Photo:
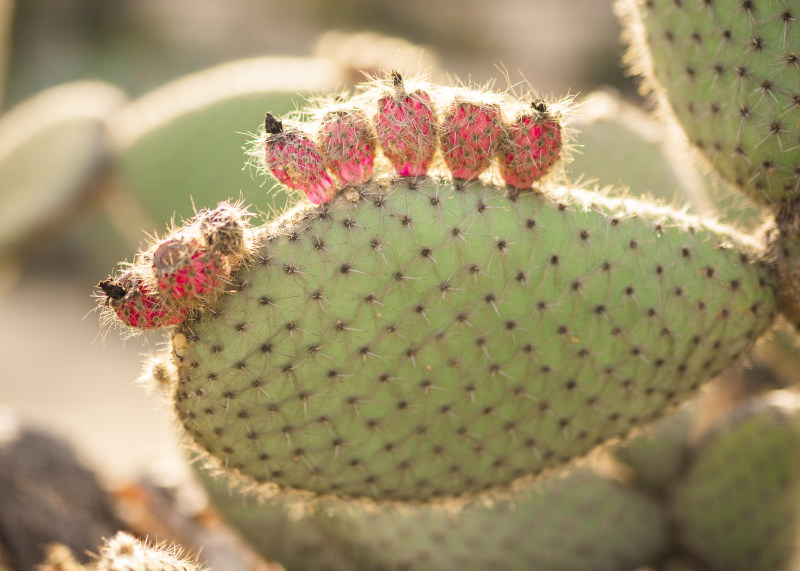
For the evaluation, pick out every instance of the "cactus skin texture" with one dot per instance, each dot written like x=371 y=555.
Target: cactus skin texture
x=581 y=520
x=730 y=72
x=406 y=127
x=736 y=506
x=436 y=341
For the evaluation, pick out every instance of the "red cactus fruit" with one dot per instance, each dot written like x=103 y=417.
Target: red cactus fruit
x=223 y=229
x=529 y=146
x=469 y=136
x=348 y=145
x=136 y=305
x=295 y=160
x=406 y=128
x=186 y=271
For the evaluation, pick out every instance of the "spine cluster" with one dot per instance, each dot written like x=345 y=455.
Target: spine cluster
x=183 y=271
x=408 y=125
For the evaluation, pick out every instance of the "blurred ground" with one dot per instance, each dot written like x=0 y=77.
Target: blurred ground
x=60 y=374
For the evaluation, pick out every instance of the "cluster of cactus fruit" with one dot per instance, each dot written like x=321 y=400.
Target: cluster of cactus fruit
x=440 y=318
x=406 y=126
x=183 y=271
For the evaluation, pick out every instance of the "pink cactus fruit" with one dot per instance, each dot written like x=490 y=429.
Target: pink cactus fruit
x=406 y=128
x=469 y=136
x=530 y=146
x=186 y=271
x=223 y=230
x=136 y=304
x=294 y=159
x=348 y=145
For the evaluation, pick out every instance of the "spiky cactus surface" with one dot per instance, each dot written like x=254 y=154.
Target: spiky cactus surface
x=430 y=341
x=730 y=72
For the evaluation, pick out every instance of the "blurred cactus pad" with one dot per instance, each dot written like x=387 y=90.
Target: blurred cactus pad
x=738 y=504
x=185 y=139
x=52 y=149
x=581 y=520
x=729 y=71
x=428 y=340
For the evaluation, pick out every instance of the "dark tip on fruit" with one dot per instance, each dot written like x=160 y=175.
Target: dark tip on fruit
x=397 y=79
x=112 y=290
x=539 y=105
x=272 y=125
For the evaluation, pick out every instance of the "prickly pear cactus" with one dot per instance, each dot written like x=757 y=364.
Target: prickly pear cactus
x=730 y=72
x=414 y=338
x=738 y=504
x=582 y=520
x=428 y=341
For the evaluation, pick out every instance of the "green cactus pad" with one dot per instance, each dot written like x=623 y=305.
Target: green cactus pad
x=731 y=74
x=579 y=521
x=737 y=506
x=434 y=341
